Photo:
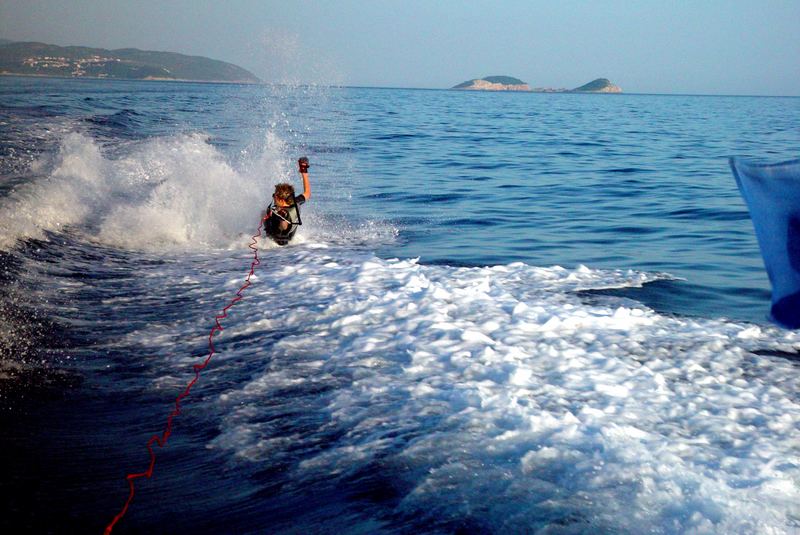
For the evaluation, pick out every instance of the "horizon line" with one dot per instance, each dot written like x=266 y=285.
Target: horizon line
x=408 y=88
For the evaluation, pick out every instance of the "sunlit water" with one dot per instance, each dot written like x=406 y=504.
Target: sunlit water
x=504 y=313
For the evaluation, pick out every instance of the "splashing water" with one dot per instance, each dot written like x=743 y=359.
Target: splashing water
x=163 y=192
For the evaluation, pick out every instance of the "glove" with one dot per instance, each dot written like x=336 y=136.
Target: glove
x=303 y=163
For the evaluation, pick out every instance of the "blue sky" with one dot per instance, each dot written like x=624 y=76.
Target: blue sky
x=699 y=47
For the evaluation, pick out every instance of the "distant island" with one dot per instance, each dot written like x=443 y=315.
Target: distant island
x=40 y=59
x=509 y=83
x=600 y=85
x=494 y=83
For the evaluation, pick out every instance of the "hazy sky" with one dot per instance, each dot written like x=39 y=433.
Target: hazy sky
x=691 y=46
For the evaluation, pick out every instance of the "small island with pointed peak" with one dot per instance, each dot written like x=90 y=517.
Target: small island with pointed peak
x=600 y=85
x=509 y=83
x=494 y=83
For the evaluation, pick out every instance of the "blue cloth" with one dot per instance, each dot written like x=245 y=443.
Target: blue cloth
x=772 y=193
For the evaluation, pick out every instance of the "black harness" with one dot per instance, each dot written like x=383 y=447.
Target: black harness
x=275 y=216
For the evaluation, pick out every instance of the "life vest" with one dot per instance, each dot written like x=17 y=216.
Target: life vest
x=288 y=215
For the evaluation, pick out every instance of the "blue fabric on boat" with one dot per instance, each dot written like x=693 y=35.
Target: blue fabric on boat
x=772 y=194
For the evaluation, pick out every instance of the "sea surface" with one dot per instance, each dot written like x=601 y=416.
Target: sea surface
x=504 y=313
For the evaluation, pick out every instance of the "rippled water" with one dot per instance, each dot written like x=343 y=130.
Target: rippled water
x=637 y=181
x=504 y=312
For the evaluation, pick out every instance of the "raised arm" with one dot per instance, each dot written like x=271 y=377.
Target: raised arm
x=303 y=164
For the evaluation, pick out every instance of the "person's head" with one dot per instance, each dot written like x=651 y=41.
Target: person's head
x=284 y=194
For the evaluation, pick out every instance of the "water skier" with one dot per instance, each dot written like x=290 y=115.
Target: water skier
x=283 y=215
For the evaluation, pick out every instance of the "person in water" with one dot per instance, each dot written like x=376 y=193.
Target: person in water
x=283 y=215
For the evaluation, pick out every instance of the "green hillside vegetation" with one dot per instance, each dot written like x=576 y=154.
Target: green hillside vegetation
x=127 y=63
x=595 y=85
x=505 y=80
x=468 y=83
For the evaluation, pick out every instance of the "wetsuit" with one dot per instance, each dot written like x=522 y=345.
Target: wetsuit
x=276 y=216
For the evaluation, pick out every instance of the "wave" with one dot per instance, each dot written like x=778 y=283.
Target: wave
x=453 y=384
x=443 y=385
x=123 y=123
x=176 y=191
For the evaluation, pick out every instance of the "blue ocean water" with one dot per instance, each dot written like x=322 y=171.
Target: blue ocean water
x=632 y=181
x=505 y=312
x=620 y=181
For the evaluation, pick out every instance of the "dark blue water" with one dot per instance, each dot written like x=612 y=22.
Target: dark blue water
x=617 y=181
x=504 y=312
x=631 y=181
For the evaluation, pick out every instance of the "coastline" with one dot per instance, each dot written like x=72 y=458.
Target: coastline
x=115 y=79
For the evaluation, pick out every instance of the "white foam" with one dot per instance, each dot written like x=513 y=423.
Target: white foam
x=64 y=198
x=194 y=195
x=501 y=391
x=178 y=191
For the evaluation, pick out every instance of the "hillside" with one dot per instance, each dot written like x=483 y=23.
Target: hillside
x=494 y=83
x=600 y=85
x=41 y=59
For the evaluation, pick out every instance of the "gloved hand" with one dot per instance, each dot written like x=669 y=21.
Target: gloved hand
x=303 y=163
